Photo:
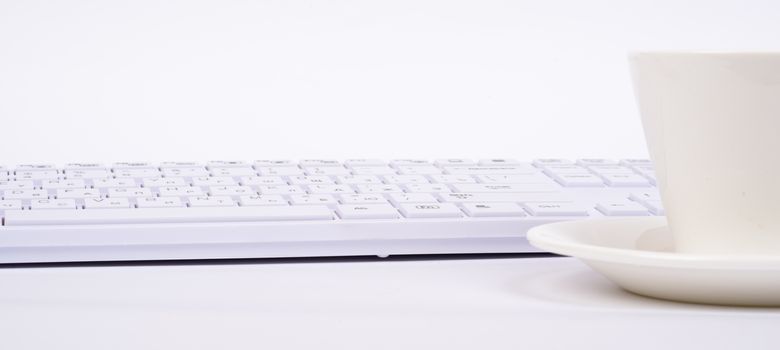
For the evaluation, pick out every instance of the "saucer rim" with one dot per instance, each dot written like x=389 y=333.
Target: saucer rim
x=556 y=238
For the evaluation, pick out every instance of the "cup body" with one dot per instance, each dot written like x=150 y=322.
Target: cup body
x=712 y=125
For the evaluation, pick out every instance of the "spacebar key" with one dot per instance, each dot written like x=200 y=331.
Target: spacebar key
x=166 y=215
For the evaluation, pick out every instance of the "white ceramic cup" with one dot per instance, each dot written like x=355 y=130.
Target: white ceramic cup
x=712 y=124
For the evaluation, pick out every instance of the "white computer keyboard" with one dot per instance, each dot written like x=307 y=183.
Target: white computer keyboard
x=280 y=208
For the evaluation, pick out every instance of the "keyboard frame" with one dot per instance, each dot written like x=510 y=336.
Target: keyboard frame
x=78 y=243
x=287 y=239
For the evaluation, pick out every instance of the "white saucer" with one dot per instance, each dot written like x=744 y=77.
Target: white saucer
x=638 y=255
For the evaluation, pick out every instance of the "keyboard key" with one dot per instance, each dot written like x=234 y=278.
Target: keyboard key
x=10 y=204
x=281 y=189
x=371 y=188
x=427 y=188
x=644 y=169
x=405 y=179
x=26 y=194
x=366 y=211
x=273 y=163
x=310 y=199
x=409 y=162
x=180 y=191
x=36 y=174
x=362 y=199
x=596 y=161
x=133 y=165
x=180 y=165
x=208 y=181
x=311 y=180
x=106 y=203
x=186 y=172
x=62 y=184
x=358 y=179
x=262 y=200
x=108 y=183
x=364 y=162
x=655 y=206
x=493 y=209
x=165 y=182
x=641 y=197
x=232 y=171
x=632 y=162
x=84 y=166
x=159 y=202
x=129 y=192
x=37 y=204
x=87 y=174
x=226 y=164
x=509 y=188
x=621 y=208
x=35 y=167
x=215 y=201
x=579 y=180
x=453 y=179
x=610 y=169
x=499 y=161
x=626 y=180
x=454 y=162
x=553 y=170
x=650 y=200
x=514 y=179
x=400 y=198
x=78 y=193
x=373 y=170
x=17 y=185
x=649 y=174
x=330 y=189
x=319 y=163
x=502 y=197
x=555 y=209
x=490 y=170
x=167 y=215
x=430 y=210
x=136 y=173
x=231 y=191
x=280 y=171
x=328 y=170
x=544 y=162
x=261 y=181
x=419 y=170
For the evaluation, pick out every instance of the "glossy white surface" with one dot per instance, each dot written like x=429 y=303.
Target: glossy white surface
x=639 y=255
x=548 y=303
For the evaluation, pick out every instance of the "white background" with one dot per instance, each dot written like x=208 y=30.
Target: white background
x=198 y=80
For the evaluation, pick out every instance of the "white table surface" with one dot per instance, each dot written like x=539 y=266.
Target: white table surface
x=532 y=303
